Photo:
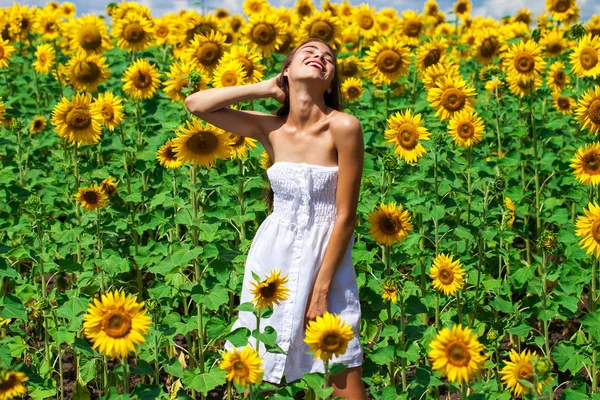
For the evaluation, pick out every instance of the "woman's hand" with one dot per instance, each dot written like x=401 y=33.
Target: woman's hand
x=316 y=305
x=274 y=90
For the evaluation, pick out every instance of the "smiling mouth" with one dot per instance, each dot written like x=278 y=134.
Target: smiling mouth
x=316 y=64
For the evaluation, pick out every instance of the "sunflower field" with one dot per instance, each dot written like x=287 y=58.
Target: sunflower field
x=125 y=221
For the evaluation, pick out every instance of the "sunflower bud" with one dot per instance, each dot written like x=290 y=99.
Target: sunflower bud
x=543 y=367
x=492 y=335
x=43 y=304
x=390 y=288
x=366 y=181
x=377 y=379
x=577 y=31
x=549 y=242
x=152 y=306
x=15 y=124
x=390 y=162
x=499 y=183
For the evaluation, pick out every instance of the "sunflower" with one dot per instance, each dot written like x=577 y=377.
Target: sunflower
x=180 y=78
x=447 y=274
x=109 y=186
x=110 y=108
x=167 y=155
x=264 y=32
x=588 y=110
x=243 y=368
x=87 y=71
x=91 y=198
x=76 y=121
x=434 y=75
x=201 y=145
x=557 y=79
x=229 y=73
x=47 y=23
x=133 y=32
x=11 y=384
x=239 y=146
x=115 y=323
x=521 y=88
x=456 y=353
x=363 y=19
x=462 y=8
x=20 y=21
x=207 y=50
x=386 y=61
x=67 y=10
x=524 y=60
x=90 y=34
x=390 y=288
x=488 y=45
x=287 y=17
x=564 y=104
x=431 y=53
x=588 y=228
x=450 y=97
x=494 y=86
x=6 y=51
x=389 y=224
x=553 y=43
x=352 y=89
x=163 y=31
x=406 y=133
x=265 y=160
x=511 y=213
x=351 y=39
x=585 y=58
x=328 y=335
x=255 y=7
x=586 y=164
x=141 y=80
x=321 y=25
x=38 y=124
x=523 y=15
x=431 y=8
x=349 y=67
x=466 y=128
x=4 y=321
x=520 y=367
x=385 y=24
x=251 y=61
x=270 y=291
x=222 y=14
x=45 y=56
x=560 y=10
x=121 y=10
x=411 y=24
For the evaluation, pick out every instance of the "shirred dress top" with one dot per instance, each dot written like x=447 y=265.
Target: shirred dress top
x=294 y=238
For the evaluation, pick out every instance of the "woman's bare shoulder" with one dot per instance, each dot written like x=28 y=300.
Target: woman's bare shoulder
x=345 y=122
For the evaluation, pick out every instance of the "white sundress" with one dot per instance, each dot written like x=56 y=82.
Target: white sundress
x=294 y=238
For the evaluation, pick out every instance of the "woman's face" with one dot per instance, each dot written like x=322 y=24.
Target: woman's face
x=313 y=60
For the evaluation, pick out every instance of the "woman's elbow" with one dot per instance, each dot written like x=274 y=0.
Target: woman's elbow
x=348 y=221
x=191 y=103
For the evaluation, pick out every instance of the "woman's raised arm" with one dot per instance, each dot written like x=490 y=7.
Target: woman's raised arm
x=211 y=106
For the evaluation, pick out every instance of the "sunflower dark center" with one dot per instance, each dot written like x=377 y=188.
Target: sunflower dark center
x=412 y=28
x=432 y=57
x=554 y=48
x=458 y=355
x=563 y=103
x=594 y=111
x=525 y=372
x=263 y=34
x=78 y=118
x=366 y=21
x=50 y=27
x=304 y=10
x=248 y=66
x=461 y=7
x=524 y=62
x=221 y=13
x=588 y=57
x=562 y=5
x=208 y=53
x=453 y=99
x=348 y=69
x=134 y=33
x=202 y=143
x=269 y=290
x=321 y=30
x=235 y=24
x=390 y=225
x=162 y=31
x=489 y=47
x=10 y=383
x=353 y=92
x=1 y=52
x=90 y=37
x=91 y=197
x=229 y=78
x=559 y=77
x=87 y=72
x=446 y=275
x=465 y=129
x=388 y=61
x=240 y=367
x=331 y=341
x=170 y=154
x=116 y=324
x=407 y=136
x=38 y=124
x=42 y=59
x=107 y=112
x=240 y=140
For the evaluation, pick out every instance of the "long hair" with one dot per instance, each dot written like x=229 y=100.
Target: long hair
x=333 y=99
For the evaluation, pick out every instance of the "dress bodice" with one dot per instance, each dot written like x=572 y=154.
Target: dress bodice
x=304 y=194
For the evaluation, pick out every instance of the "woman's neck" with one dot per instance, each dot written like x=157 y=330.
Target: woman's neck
x=306 y=108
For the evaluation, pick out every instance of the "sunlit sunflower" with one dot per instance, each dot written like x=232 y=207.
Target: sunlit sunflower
x=524 y=60
x=560 y=10
x=87 y=71
x=270 y=291
x=351 y=39
x=243 y=368
x=435 y=75
x=109 y=186
x=386 y=25
x=207 y=50
x=487 y=45
x=520 y=367
x=115 y=323
x=265 y=160
x=239 y=146
x=447 y=274
x=390 y=288
x=430 y=53
x=462 y=8
x=557 y=79
x=6 y=51
x=456 y=352
x=163 y=31
x=45 y=57
x=141 y=79
x=588 y=110
x=450 y=97
x=510 y=211
x=255 y=7
x=352 y=89
x=564 y=104
x=133 y=32
x=251 y=61
x=387 y=60
x=20 y=21
x=230 y=73
x=588 y=228
x=406 y=133
x=349 y=67
x=201 y=144
x=264 y=32
x=321 y=25
x=67 y=9
x=110 y=108
x=411 y=24
x=90 y=34
x=585 y=58
x=523 y=15
x=12 y=384
x=287 y=17
x=553 y=43
x=363 y=19
x=47 y=23
x=593 y=25
x=76 y=120
x=37 y=125
x=222 y=14
x=521 y=88
x=586 y=164
x=91 y=198
x=466 y=128
x=193 y=23
x=121 y=10
x=167 y=155
x=389 y=224
x=328 y=335
x=304 y=8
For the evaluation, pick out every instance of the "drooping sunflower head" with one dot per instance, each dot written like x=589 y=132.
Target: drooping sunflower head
x=586 y=57
x=265 y=160
x=451 y=96
x=37 y=125
x=230 y=73
x=110 y=107
x=520 y=87
x=390 y=288
x=520 y=367
x=207 y=50
x=109 y=186
x=588 y=227
x=328 y=335
x=586 y=164
x=389 y=224
x=167 y=155
x=90 y=34
x=239 y=146
x=510 y=211
x=115 y=323
x=406 y=133
x=243 y=368
x=265 y=33
x=12 y=384
x=87 y=71
x=76 y=120
x=588 y=110
x=447 y=274
x=91 y=198
x=141 y=79
x=466 y=128
x=349 y=67
x=387 y=60
x=134 y=32
x=201 y=144
x=456 y=352
x=270 y=291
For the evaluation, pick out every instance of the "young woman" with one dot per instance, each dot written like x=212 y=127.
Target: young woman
x=318 y=154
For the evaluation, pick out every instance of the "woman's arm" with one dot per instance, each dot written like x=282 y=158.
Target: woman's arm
x=211 y=106
x=348 y=138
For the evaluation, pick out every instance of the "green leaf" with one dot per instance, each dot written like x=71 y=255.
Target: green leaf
x=178 y=259
x=268 y=337
x=568 y=357
x=383 y=355
x=239 y=337
x=591 y=322
x=88 y=371
x=12 y=307
x=502 y=305
x=142 y=368
x=203 y=383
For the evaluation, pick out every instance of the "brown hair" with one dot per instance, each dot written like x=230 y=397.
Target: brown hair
x=333 y=99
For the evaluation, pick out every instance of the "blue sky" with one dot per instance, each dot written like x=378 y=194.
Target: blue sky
x=493 y=8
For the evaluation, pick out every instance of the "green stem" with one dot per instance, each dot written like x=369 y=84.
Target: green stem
x=326 y=380
x=437 y=310
x=200 y=338
x=99 y=244
x=105 y=374
x=538 y=221
x=593 y=305
x=545 y=303
x=241 y=199
x=498 y=135
x=469 y=189
x=402 y=343
x=258 y=315
x=125 y=365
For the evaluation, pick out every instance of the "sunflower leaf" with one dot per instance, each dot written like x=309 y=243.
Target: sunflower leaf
x=12 y=307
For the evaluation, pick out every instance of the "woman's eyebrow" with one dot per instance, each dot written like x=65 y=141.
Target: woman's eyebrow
x=315 y=47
